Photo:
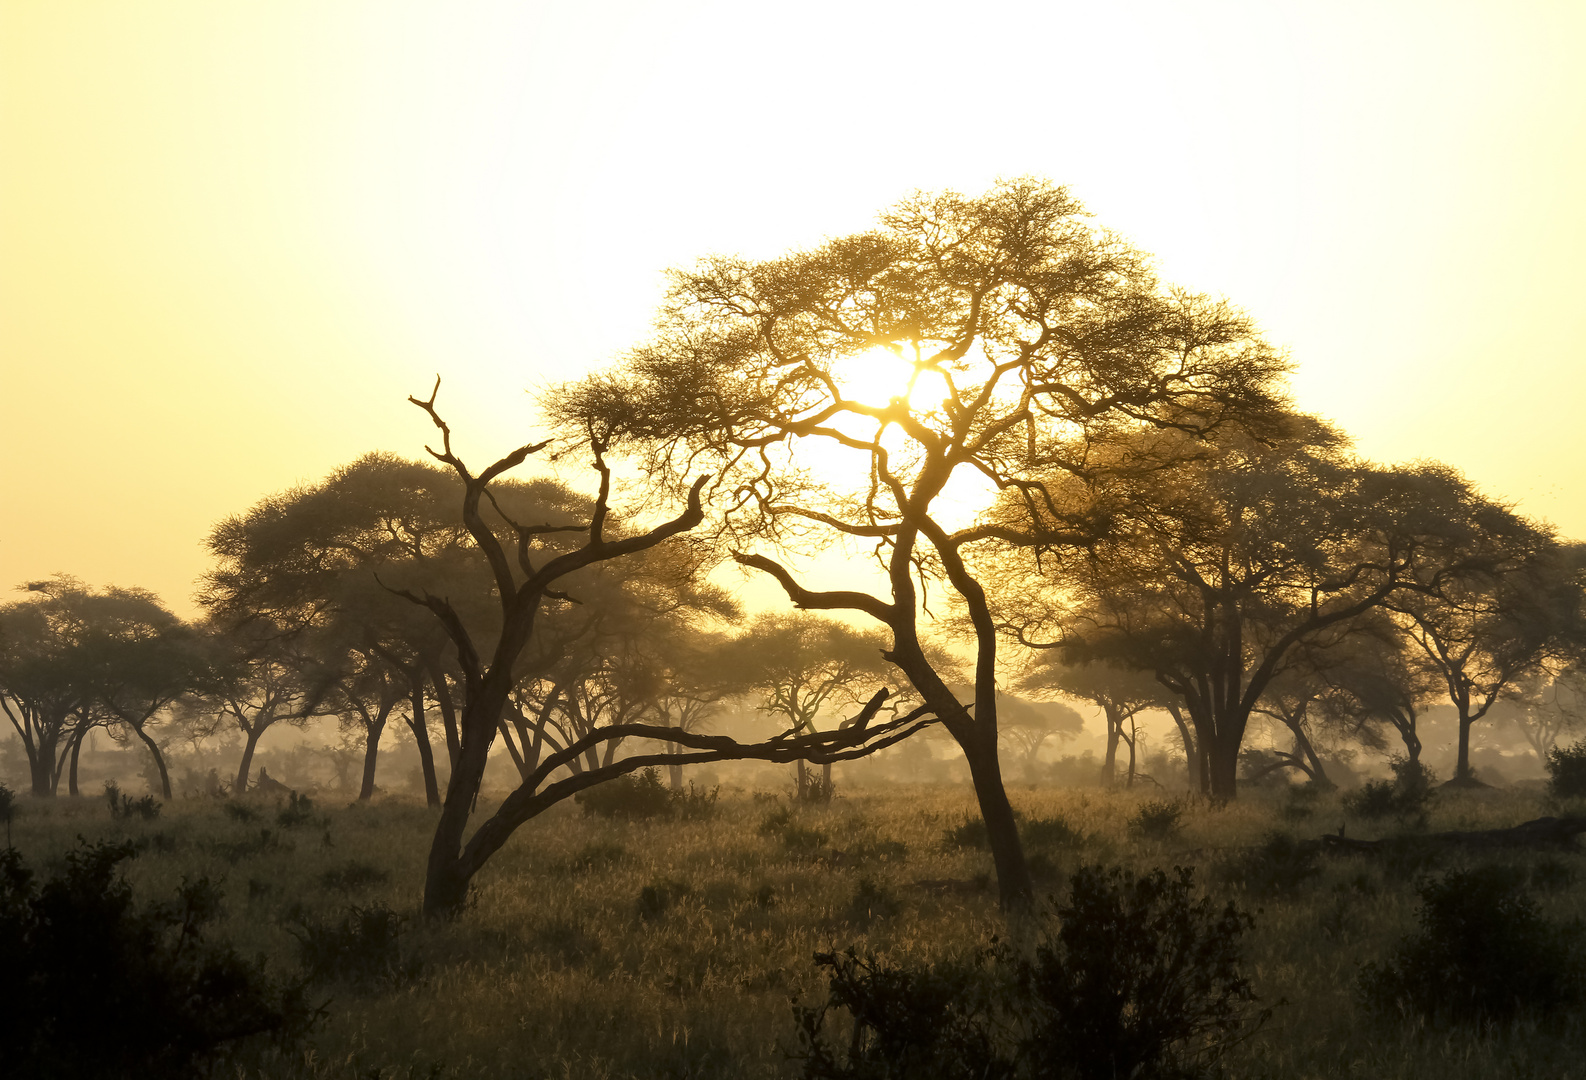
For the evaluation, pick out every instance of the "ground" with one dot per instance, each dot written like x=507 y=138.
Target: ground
x=608 y=948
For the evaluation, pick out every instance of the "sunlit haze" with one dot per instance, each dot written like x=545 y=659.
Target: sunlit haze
x=234 y=237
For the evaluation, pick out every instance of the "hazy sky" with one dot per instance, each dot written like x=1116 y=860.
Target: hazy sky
x=235 y=236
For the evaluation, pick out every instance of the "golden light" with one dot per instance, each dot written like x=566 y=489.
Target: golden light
x=877 y=376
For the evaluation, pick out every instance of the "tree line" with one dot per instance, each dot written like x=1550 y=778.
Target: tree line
x=1160 y=527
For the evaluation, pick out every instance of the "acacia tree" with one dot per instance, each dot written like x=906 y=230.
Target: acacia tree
x=42 y=663
x=1485 y=633
x=1374 y=677
x=1223 y=564
x=1121 y=694
x=1029 y=725
x=1010 y=329
x=528 y=573
x=801 y=665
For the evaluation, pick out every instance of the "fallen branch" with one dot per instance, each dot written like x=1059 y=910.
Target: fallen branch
x=1543 y=832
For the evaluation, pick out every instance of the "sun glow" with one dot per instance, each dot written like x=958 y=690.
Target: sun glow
x=877 y=376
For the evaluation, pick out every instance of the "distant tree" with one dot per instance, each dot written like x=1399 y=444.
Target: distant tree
x=258 y=681
x=1376 y=677
x=1226 y=558
x=841 y=395
x=1483 y=634
x=1121 y=694
x=802 y=665
x=1030 y=725
x=42 y=689
x=1547 y=707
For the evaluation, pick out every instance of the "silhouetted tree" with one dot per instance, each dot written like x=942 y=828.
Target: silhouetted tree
x=528 y=576
x=1014 y=329
x=1121 y=694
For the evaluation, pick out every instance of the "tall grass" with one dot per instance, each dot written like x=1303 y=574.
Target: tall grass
x=561 y=968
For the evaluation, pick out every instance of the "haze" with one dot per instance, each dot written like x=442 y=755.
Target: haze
x=234 y=238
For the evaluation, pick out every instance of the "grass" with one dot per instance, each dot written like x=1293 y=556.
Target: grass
x=565 y=966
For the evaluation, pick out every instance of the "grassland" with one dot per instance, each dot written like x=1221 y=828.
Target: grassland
x=600 y=948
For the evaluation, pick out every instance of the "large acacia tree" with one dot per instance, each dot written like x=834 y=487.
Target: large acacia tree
x=869 y=392
x=1228 y=564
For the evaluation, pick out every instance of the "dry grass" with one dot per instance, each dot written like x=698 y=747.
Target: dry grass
x=559 y=969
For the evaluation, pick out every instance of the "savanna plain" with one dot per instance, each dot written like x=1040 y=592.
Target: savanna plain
x=676 y=946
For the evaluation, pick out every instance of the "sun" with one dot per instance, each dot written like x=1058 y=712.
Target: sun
x=877 y=376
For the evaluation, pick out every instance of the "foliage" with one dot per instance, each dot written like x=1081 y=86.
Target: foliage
x=1411 y=791
x=362 y=947
x=1140 y=979
x=1484 y=953
x=784 y=825
x=353 y=877
x=1157 y=820
x=299 y=810
x=164 y=1001
x=1280 y=865
x=642 y=795
x=125 y=806
x=1566 y=769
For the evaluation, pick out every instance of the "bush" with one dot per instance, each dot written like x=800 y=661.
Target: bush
x=1484 y=954
x=969 y=833
x=659 y=897
x=125 y=806
x=1140 y=980
x=871 y=902
x=818 y=791
x=795 y=837
x=163 y=1000
x=299 y=810
x=1278 y=866
x=1566 y=769
x=353 y=877
x=363 y=947
x=1157 y=820
x=1410 y=793
x=1052 y=832
x=642 y=795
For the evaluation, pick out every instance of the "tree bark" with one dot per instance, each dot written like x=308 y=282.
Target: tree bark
x=249 y=742
x=371 y=754
x=159 y=762
x=1109 y=765
x=419 y=725
x=1014 y=884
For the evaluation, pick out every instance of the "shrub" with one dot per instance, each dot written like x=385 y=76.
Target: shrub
x=299 y=810
x=1566 y=769
x=642 y=795
x=362 y=947
x=352 y=877
x=1158 y=820
x=659 y=897
x=818 y=791
x=1140 y=980
x=1278 y=866
x=1052 y=832
x=870 y=902
x=1410 y=792
x=125 y=806
x=795 y=837
x=1483 y=954
x=969 y=833
x=237 y=811
x=164 y=1001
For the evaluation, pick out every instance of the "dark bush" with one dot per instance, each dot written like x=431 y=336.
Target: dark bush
x=162 y=1000
x=353 y=877
x=1483 y=954
x=641 y=795
x=1278 y=866
x=1566 y=769
x=237 y=811
x=1157 y=820
x=1410 y=793
x=299 y=810
x=818 y=791
x=969 y=833
x=362 y=947
x=1139 y=980
x=871 y=902
x=659 y=897
x=1052 y=832
x=125 y=806
x=784 y=825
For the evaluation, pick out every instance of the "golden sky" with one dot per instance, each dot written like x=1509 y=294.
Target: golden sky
x=234 y=236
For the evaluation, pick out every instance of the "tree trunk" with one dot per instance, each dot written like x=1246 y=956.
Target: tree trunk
x=71 y=770
x=446 y=877
x=42 y=767
x=421 y=737
x=1462 y=769
x=826 y=778
x=159 y=763
x=1223 y=766
x=803 y=775
x=1194 y=761
x=1015 y=888
x=1109 y=765
x=371 y=754
x=443 y=698
x=251 y=741
x=674 y=771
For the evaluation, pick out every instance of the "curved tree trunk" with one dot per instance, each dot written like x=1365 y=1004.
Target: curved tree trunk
x=1014 y=884
x=371 y=755
x=419 y=725
x=1109 y=764
x=71 y=770
x=251 y=740
x=159 y=762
